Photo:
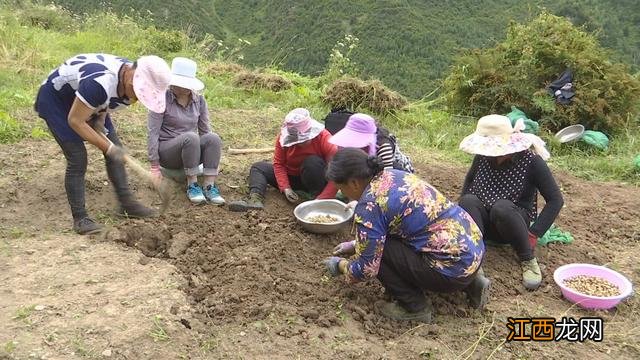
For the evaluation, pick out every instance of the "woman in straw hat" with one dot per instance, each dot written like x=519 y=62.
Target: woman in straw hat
x=408 y=235
x=76 y=101
x=501 y=188
x=181 y=137
x=361 y=132
x=302 y=152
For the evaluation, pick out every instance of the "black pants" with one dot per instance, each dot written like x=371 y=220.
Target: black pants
x=405 y=274
x=504 y=222
x=76 y=155
x=312 y=176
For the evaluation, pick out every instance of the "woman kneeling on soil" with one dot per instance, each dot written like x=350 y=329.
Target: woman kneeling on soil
x=76 y=100
x=299 y=163
x=181 y=137
x=408 y=235
x=501 y=188
x=362 y=132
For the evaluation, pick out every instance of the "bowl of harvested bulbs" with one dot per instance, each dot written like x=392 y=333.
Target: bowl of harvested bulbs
x=592 y=286
x=323 y=216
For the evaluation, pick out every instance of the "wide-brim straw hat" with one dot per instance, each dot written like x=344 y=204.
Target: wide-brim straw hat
x=494 y=136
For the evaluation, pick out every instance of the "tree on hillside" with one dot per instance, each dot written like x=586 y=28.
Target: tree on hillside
x=518 y=70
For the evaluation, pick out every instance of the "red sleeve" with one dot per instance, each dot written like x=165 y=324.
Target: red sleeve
x=327 y=149
x=279 y=166
x=329 y=191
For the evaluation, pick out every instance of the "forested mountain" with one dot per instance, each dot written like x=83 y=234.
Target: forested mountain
x=408 y=44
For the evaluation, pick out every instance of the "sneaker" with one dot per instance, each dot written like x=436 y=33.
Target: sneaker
x=212 y=193
x=254 y=202
x=531 y=275
x=131 y=208
x=478 y=291
x=86 y=226
x=394 y=311
x=194 y=194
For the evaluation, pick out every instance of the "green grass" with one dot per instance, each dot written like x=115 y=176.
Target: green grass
x=427 y=134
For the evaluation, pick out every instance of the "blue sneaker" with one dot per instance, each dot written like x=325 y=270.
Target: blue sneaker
x=195 y=195
x=212 y=193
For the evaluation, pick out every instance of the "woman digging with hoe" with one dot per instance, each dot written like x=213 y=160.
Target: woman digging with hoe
x=76 y=100
x=408 y=235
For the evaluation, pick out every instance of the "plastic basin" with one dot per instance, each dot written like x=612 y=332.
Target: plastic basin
x=592 y=302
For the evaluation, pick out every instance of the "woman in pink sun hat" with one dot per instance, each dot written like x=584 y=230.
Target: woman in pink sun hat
x=362 y=132
x=501 y=188
x=301 y=155
x=76 y=101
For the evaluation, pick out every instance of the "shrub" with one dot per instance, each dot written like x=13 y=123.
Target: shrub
x=358 y=94
x=258 y=80
x=518 y=70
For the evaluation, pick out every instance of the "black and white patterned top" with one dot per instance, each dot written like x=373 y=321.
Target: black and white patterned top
x=497 y=183
x=535 y=176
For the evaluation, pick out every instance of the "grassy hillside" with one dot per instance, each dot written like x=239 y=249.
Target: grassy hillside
x=29 y=52
x=408 y=44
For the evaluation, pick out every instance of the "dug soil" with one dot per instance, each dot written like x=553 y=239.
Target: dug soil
x=251 y=285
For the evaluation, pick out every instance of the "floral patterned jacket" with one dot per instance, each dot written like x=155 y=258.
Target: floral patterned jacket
x=398 y=206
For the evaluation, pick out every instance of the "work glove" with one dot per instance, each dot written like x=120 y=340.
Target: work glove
x=332 y=265
x=352 y=205
x=533 y=240
x=291 y=195
x=98 y=124
x=115 y=153
x=346 y=248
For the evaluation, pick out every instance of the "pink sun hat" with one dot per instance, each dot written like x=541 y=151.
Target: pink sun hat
x=299 y=127
x=359 y=132
x=151 y=81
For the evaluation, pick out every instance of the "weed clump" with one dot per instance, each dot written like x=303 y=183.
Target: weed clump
x=372 y=95
x=258 y=80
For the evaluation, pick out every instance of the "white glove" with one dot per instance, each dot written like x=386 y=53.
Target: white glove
x=290 y=195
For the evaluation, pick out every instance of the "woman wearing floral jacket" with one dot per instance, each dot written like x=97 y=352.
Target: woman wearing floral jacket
x=408 y=235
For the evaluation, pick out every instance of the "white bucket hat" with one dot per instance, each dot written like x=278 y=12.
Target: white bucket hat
x=299 y=127
x=494 y=136
x=183 y=74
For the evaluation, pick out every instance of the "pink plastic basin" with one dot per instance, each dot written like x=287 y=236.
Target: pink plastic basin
x=587 y=301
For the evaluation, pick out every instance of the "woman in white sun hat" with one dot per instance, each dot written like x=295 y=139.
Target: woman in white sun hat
x=76 y=101
x=180 y=137
x=501 y=188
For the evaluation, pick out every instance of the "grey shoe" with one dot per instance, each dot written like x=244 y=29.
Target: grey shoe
x=531 y=274
x=254 y=202
x=131 y=208
x=478 y=291
x=86 y=226
x=394 y=311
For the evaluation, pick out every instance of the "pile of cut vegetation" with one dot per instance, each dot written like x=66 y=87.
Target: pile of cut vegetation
x=224 y=68
x=258 y=80
x=354 y=93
